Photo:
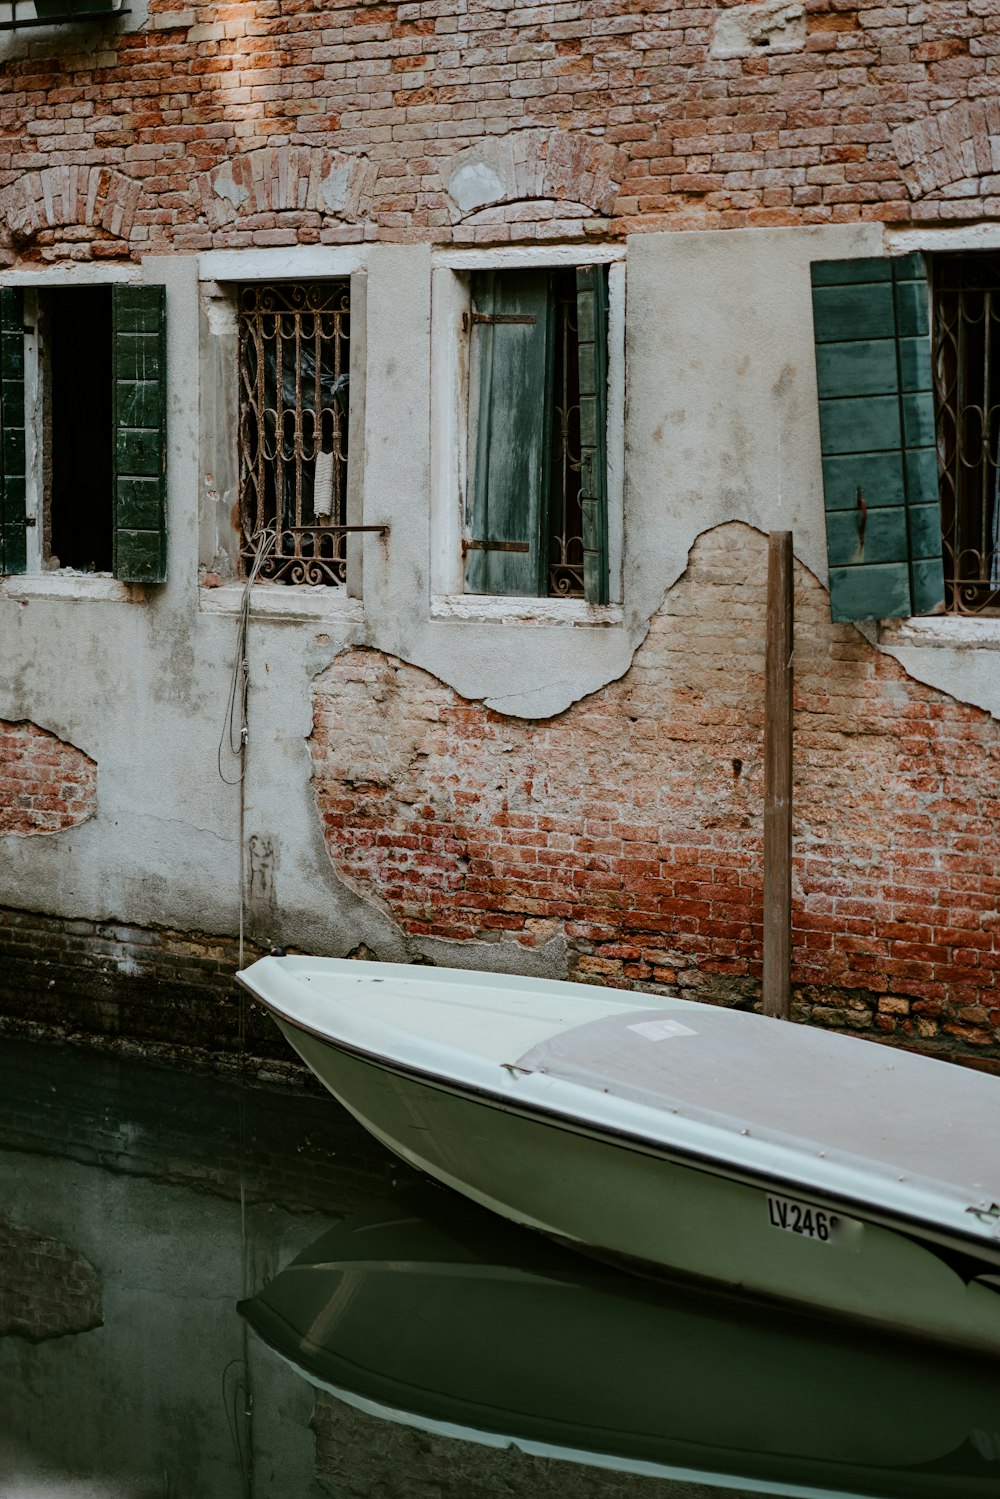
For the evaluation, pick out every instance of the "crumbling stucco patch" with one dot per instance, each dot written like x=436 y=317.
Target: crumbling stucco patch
x=46 y=784
x=632 y=822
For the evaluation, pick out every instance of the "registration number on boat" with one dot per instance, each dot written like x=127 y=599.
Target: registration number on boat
x=802 y=1218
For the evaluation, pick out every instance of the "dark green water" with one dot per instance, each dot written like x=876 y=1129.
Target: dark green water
x=138 y=1206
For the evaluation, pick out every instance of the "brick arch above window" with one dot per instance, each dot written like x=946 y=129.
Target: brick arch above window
x=281 y=179
x=557 y=166
x=96 y=197
x=949 y=155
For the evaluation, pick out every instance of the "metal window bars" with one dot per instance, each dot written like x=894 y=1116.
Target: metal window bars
x=966 y=352
x=294 y=360
x=565 y=522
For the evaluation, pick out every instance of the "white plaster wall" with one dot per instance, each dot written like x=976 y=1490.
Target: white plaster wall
x=721 y=424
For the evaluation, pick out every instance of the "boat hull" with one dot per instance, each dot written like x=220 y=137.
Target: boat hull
x=632 y=1201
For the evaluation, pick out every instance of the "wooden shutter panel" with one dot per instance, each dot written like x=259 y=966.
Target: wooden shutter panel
x=140 y=437
x=512 y=336
x=876 y=411
x=13 y=535
x=592 y=326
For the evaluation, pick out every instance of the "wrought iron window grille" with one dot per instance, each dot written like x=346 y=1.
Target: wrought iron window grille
x=966 y=355
x=294 y=363
x=565 y=528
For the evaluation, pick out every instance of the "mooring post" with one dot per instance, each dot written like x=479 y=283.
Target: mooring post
x=778 y=778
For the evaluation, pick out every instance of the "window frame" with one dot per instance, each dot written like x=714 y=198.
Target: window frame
x=221 y=273
x=451 y=376
x=39 y=578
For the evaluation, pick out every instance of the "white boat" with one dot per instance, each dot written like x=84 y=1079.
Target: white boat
x=689 y=1140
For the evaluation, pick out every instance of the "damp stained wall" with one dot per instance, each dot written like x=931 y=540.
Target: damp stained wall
x=719 y=424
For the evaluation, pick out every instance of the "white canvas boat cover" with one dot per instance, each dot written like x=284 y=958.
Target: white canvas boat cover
x=844 y=1097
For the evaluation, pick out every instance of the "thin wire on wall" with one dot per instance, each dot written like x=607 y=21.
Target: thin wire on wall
x=236 y=727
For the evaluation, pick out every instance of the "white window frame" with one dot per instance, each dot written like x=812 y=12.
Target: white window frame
x=39 y=580
x=220 y=272
x=450 y=390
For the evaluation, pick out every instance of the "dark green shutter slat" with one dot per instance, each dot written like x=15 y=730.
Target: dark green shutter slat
x=13 y=489
x=923 y=503
x=509 y=496
x=592 y=336
x=876 y=412
x=140 y=435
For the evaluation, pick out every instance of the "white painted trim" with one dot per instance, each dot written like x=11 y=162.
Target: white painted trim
x=63 y=584
x=288 y=263
x=979 y=632
x=450 y=300
x=279 y=601
x=503 y=610
x=931 y=237
x=513 y=257
x=72 y=273
x=615 y=435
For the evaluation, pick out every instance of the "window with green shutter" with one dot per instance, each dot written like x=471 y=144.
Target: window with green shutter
x=100 y=428
x=877 y=436
x=536 y=522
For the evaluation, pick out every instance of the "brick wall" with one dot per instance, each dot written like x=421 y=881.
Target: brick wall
x=632 y=823
x=146 y=990
x=252 y=124
x=46 y=785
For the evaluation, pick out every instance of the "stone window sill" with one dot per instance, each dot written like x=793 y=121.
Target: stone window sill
x=281 y=602
x=523 y=611
x=979 y=632
x=99 y=587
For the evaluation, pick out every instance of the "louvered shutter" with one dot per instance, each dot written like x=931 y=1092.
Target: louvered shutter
x=592 y=326
x=512 y=333
x=140 y=438
x=13 y=536
x=876 y=411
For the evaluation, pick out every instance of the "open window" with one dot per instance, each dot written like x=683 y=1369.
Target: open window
x=965 y=334
x=536 y=515
x=98 y=414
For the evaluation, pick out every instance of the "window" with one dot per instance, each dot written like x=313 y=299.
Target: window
x=294 y=363
x=966 y=350
x=98 y=486
x=536 y=511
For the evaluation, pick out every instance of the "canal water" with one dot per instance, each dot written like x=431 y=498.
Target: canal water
x=212 y=1290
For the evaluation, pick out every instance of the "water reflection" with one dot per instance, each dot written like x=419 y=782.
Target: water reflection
x=139 y=1205
x=431 y=1312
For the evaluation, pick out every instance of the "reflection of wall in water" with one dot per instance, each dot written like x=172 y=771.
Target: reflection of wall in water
x=135 y=1172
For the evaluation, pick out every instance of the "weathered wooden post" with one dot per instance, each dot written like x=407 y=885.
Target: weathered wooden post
x=778 y=778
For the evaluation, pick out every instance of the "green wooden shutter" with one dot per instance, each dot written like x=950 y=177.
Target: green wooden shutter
x=512 y=333
x=592 y=325
x=13 y=535
x=140 y=435
x=876 y=412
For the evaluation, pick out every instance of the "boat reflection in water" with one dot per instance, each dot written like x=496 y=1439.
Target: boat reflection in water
x=432 y=1312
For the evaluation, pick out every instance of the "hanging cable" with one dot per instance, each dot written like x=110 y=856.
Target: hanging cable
x=236 y=727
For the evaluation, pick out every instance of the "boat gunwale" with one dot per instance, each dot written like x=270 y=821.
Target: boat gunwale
x=619 y=1137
